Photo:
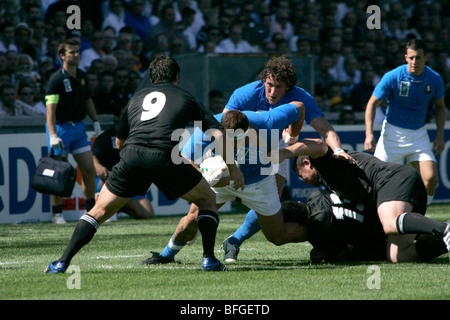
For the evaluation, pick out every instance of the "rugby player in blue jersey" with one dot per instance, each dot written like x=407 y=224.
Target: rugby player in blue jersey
x=409 y=89
x=261 y=192
x=276 y=87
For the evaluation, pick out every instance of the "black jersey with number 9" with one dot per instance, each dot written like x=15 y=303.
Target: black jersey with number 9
x=155 y=112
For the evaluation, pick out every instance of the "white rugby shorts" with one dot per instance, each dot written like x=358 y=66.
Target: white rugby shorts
x=397 y=144
x=261 y=196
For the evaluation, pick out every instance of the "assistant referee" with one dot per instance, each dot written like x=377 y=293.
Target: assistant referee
x=68 y=102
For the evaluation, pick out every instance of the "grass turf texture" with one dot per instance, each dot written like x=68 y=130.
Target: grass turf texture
x=110 y=267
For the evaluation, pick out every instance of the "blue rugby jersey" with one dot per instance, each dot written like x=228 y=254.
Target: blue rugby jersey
x=252 y=97
x=409 y=96
x=248 y=158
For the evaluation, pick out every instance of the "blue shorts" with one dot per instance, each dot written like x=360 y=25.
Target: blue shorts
x=73 y=135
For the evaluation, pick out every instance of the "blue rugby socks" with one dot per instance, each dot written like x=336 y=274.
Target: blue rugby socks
x=171 y=249
x=246 y=230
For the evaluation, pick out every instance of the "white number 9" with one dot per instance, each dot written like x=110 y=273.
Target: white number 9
x=153 y=104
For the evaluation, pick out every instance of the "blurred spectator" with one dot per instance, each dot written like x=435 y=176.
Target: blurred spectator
x=161 y=47
x=10 y=106
x=94 y=52
x=323 y=77
x=22 y=33
x=166 y=26
x=7 y=37
x=186 y=28
x=134 y=79
x=110 y=63
x=347 y=116
x=360 y=95
x=216 y=101
x=135 y=19
x=116 y=16
x=11 y=64
x=211 y=35
x=177 y=46
x=234 y=43
x=141 y=60
x=39 y=37
x=26 y=94
x=103 y=100
x=109 y=41
x=92 y=82
x=349 y=77
x=281 y=24
x=120 y=92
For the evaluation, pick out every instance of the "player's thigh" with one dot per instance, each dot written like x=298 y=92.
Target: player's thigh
x=85 y=162
x=201 y=195
x=427 y=169
x=272 y=227
x=107 y=205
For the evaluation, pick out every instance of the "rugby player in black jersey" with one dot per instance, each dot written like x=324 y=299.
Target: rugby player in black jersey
x=341 y=230
x=397 y=192
x=152 y=115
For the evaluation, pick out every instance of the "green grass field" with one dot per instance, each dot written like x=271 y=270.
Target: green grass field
x=109 y=268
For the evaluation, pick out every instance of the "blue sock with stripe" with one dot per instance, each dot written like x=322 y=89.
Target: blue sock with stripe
x=171 y=249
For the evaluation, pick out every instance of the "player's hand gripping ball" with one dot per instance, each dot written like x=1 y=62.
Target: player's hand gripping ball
x=213 y=169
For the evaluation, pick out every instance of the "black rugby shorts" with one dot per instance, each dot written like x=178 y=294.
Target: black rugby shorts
x=404 y=184
x=140 y=167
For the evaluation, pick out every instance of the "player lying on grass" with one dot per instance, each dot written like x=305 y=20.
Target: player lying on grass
x=396 y=191
x=341 y=230
x=260 y=131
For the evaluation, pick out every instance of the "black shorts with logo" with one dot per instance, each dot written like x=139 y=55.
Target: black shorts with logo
x=140 y=167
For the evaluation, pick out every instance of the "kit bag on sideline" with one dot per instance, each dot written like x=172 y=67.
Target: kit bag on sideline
x=54 y=176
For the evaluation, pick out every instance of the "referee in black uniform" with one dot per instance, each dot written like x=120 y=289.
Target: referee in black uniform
x=397 y=191
x=68 y=102
x=152 y=115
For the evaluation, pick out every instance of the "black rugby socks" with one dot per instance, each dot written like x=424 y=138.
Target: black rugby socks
x=84 y=232
x=208 y=221
x=412 y=222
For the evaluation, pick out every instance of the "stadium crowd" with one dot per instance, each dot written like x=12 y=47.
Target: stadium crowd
x=120 y=37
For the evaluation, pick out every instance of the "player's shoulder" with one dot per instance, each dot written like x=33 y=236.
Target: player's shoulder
x=249 y=88
x=432 y=74
x=398 y=72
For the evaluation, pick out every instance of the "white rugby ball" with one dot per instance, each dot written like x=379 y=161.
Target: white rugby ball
x=213 y=169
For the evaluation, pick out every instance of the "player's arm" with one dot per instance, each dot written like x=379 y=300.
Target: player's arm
x=326 y=130
x=440 y=114
x=290 y=135
x=371 y=107
x=122 y=130
x=51 y=102
x=315 y=148
x=224 y=147
x=100 y=170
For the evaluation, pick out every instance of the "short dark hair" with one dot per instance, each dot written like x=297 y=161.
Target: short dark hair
x=68 y=42
x=235 y=119
x=164 y=68
x=295 y=212
x=281 y=69
x=416 y=45
x=298 y=162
